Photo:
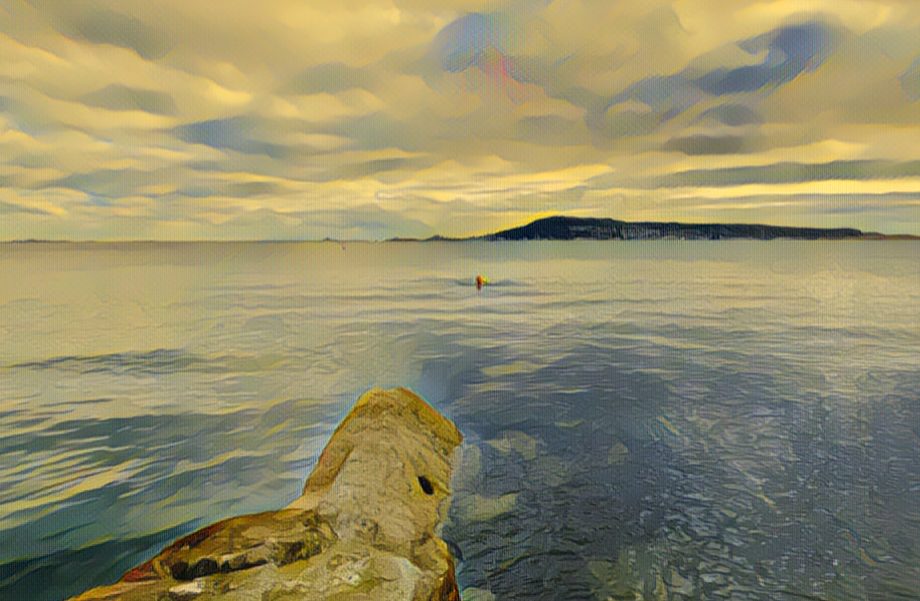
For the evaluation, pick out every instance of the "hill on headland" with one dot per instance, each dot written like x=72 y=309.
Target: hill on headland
x=590 y=228
x=574 y=228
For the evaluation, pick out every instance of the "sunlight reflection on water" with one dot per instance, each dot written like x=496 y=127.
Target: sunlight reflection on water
x=644 y=420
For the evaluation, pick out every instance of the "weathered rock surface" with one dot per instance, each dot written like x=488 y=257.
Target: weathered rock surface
x=365 y=528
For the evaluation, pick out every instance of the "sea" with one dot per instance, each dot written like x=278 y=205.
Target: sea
x=643 y=420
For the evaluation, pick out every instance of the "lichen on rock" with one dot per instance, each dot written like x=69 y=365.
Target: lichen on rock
x=365 y=528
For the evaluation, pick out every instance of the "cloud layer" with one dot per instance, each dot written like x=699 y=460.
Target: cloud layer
x=122 y=119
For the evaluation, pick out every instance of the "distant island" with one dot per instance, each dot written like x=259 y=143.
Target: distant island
x=590 y=228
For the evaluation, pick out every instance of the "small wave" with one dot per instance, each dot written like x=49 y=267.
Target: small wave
x=77 y=569
x=73 y=402
x=149 y=362
x=156 y=362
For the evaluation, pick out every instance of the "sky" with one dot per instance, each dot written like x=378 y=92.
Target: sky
x=284 y=119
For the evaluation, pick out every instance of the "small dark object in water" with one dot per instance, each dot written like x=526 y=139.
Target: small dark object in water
x=425 y=483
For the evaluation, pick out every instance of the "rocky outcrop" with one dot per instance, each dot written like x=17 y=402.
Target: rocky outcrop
x=365 y=527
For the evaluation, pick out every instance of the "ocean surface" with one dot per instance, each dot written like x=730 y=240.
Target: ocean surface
x=643 y=420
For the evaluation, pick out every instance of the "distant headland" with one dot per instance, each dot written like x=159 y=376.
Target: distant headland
x=562 y=227
x=591 y=228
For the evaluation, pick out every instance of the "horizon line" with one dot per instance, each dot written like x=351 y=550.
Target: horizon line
x=432 y=238
x=871 y=236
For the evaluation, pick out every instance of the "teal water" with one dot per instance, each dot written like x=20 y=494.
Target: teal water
x=644 y=420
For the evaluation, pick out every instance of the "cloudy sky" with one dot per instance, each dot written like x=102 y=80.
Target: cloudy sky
x=301 y=119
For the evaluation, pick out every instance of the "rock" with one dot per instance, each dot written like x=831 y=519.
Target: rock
x=469 y=473
x=519 y=442
x=618 y=454
x=478 y=508
x=365 y=528
x=476 y=594
x=679 y=585
x=551 y=470
x=186 y=592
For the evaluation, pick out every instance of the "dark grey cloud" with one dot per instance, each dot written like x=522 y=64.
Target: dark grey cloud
x=231 y=189
x=255 y=135
x=7 y=208
x=468 y=40
x=103 y=26
x=109 y=183
x=624 y=123
x=193 y=181
x=667 y=95
x=730 y=114
x=26 y=115
x=492 y=43
x=367 y=169
x=788 y=173
x=910 y=81
x=329 y=78
x=705 y=145
x=210 y=166
x=30 y=160
x=790 y=51
x=242 y=134
x=775 y=173
x=489 y=42
x=860 y=205
x=378 y=130
x=818 y=203
x=124 y=98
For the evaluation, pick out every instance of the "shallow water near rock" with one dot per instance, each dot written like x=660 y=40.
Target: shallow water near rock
x=645 y=420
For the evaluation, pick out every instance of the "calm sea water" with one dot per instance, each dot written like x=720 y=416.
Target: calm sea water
x=644 y=420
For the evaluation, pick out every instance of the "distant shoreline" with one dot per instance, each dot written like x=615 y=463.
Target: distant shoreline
x=865 y=238
x=101 y=243
x=561 y=228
